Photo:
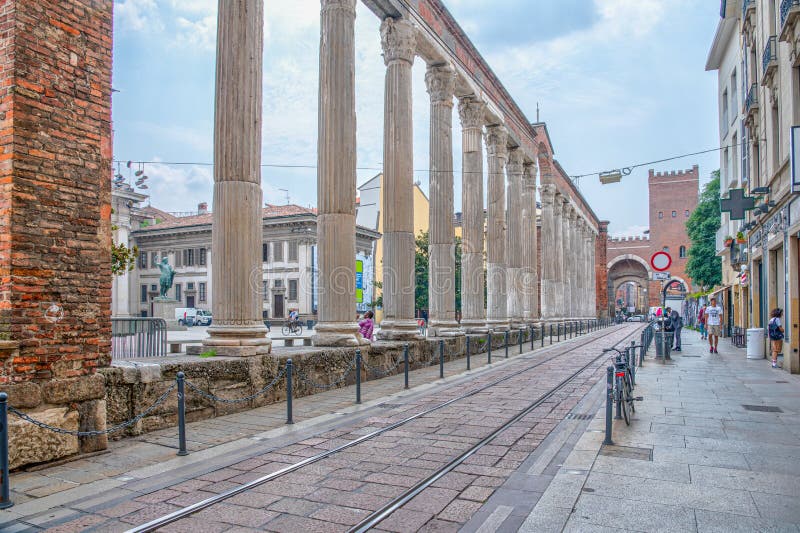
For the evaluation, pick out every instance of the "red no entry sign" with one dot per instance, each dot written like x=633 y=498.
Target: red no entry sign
x=660 y=261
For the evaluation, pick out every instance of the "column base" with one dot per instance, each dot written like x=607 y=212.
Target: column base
x=399 y=330
x=337 y=334
x=498 y=325
x=444 y=328
x=474 y=326
x=239 y=341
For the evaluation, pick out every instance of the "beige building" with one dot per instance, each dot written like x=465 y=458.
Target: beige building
x=286 y=281
x=768 y=36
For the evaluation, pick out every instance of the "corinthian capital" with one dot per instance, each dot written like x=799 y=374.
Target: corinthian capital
x=515 y=160
x=471 y=111
x=441 y=83
x=548 y=193
x=398 y=40
x=529 y=174
x=496 y=137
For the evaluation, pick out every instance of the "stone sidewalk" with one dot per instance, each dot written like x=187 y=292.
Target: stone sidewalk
x=38 y=494
x=714 y=446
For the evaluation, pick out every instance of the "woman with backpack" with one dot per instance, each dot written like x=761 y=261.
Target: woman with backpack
x=701 y=320
x=776 y=335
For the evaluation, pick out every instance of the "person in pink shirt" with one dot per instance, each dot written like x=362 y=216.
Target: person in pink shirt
x=366 y=325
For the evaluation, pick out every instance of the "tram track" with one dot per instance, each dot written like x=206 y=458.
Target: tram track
x=397 y=502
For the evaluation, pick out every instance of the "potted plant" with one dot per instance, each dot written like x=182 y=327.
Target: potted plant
x=728 y=240
x=740 y=239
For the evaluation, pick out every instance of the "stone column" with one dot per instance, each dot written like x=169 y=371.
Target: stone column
x=571 y=262
x=336 y=176
x=559 y=207
x=497 y=310
x=399 y=45
x=582 y=273
x=530 y=290
x=440 y=81
x=471 y=111
x=514 y=239
x=238 y=329
x=548 y=194
x=592 y=273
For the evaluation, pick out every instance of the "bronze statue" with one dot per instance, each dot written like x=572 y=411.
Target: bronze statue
x=167 y=274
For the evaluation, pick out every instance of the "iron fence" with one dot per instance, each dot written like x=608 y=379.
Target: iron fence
x=138 y=337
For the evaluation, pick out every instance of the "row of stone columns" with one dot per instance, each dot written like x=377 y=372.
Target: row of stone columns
x=510 y=245
x=568 y=276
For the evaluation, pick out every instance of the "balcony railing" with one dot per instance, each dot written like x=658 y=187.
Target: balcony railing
x=751 y=102
x=788 y=7
x=769 y=61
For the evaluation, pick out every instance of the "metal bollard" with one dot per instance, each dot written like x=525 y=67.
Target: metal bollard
x=558 y=332
x=468 y=355
x=358 y=376
x=181 y=414
x=543 y=334
x=506 y=338
x=632 y=362
x=489 y=348
x=618 y=386
x=5 y=490
x=405 y=363
x=521 y=335
x=441 y=359
x=289 y=392
x=533 y=337
x=551 y=333
x=609 y=403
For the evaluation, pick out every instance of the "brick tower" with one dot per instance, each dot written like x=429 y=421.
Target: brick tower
x=673 y=197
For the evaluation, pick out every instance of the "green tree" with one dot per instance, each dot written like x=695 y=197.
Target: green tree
x=421 y=259
x=704 y=267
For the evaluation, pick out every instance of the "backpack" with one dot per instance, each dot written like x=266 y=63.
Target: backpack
x=775 y=333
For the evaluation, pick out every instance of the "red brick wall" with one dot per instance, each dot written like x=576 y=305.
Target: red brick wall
x=55 y=164
x=678 y=192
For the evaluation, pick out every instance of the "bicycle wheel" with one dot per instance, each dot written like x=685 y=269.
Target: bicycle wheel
x=298 y=330
x=285 y=330
x=623 y=403
x=629 y=393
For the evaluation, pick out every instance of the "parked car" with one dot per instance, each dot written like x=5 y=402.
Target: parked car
x=186 y=316
x=636 y=318
x=203 y=318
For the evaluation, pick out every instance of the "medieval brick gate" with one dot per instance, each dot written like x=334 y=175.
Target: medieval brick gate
x=672 y=198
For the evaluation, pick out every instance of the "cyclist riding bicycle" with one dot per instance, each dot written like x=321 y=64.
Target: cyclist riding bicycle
x=294 y=317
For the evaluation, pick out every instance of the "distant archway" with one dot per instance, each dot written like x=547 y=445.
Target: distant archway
x=627 y=269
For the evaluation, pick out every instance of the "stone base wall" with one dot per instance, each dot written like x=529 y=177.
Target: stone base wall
x=133 y=386
x=74 y=404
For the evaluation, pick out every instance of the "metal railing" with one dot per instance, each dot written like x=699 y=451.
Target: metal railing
x=751 y=101
x=138 y=337
x=786 y=6
x=747 y=4
x=770 y=56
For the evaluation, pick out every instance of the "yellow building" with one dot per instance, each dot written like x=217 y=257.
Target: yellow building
x=370 y=215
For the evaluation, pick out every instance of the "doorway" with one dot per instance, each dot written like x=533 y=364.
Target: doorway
x=189 y=301
x=277 y=306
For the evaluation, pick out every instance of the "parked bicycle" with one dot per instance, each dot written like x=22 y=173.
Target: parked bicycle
x=623 y=383
x=293 y=327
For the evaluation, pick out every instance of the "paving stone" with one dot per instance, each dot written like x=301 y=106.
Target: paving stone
x=295 y=506
x=777 y=507
x=478 y=494
x=432 y=500
x=404 y=520
x=712 y=522
x=770 y=483
x=122 y=509
x=295 y=524
x=159 y=496
x=195 y=525
x=459 y=511
x=236 y=515
x=148 y=513
x=340 y=515
x=611 y=512
x=257 y=500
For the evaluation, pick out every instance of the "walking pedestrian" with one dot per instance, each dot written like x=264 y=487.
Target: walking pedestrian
x=776 y=335
x=701 y=320
x=714 y=324
x=677 y=323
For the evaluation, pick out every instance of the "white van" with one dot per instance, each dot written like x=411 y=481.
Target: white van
x=186 y=316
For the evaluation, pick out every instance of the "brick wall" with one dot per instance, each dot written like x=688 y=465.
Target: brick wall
x=55 y=218
x=601 y=269
x=55 y=161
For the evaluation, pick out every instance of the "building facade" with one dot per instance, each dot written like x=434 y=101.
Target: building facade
x=286 y=282
x=767 y=33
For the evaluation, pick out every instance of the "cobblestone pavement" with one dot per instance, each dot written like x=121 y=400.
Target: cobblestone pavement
x=714 y=447
x=338 y=491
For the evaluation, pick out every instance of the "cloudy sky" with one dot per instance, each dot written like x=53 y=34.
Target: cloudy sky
x=619 y=82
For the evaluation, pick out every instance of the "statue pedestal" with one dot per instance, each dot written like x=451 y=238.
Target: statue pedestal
x=165 y=308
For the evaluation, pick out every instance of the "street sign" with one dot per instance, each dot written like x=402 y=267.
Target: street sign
x=660 y=276
x=737 y=204
x=660 y=261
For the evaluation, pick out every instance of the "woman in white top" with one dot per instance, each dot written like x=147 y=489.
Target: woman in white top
x=775 y=331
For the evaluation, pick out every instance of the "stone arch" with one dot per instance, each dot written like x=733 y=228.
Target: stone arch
x=629 y=257
x=626 y=268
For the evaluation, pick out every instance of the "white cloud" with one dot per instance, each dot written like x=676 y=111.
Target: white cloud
x=197 y=34
x=137 y=15
x=631 y=231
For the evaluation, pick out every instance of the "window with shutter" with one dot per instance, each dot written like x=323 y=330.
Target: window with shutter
x=293 y=251
x=154 y=259
x=178 y=259
x=142 y=259
x=277 y=252
x=265 y=252
x=293 y=290
x=202 y=257
x=186 y=258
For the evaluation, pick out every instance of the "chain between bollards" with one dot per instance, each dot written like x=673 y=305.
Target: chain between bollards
x=441 y=359
x=5 y=490
x=469 y=364
x=358 y=376
x=609 y=403
x=405 y=363
x=289 y=392
x=180 y=378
